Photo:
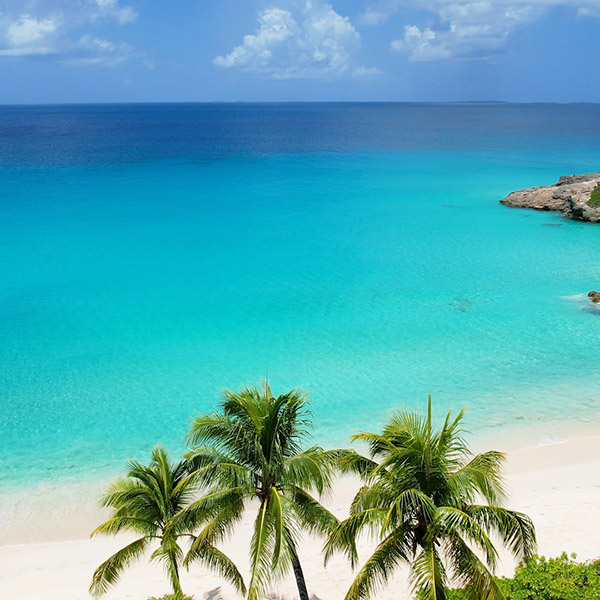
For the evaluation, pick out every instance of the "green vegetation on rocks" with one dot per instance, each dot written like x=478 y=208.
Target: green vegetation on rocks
x=595 y=197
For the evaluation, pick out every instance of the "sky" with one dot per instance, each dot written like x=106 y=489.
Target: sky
x=63 y=51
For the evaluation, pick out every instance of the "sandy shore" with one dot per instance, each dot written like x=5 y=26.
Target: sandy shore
x=557 y=485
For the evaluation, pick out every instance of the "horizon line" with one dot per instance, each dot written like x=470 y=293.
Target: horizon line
x=390 y=102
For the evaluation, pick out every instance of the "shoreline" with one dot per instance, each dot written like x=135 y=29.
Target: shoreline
x=557 y=484
x=24 y=510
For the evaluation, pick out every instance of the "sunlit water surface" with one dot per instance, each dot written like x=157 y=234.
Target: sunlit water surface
x=154 y=254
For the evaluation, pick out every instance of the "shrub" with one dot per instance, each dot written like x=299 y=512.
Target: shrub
x=554 y=579
x=595 y=197
x=540 y=578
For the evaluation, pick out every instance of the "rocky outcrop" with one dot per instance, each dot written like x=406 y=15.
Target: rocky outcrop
x=569 y=195
x=594 y=297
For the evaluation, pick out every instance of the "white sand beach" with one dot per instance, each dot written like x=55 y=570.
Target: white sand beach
x=557 y=485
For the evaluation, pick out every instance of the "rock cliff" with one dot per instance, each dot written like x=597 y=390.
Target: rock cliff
x=569 y=195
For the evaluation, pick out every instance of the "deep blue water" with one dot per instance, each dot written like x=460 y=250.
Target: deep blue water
x=154 y=254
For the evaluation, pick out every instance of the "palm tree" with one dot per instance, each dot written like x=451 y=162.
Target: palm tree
x=252 y=449
x=434 y=506
x=145 y=502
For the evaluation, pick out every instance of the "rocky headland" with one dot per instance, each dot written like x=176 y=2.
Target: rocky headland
x=571 y=195
x=594 y=297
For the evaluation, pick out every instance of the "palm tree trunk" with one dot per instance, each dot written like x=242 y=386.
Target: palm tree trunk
x=299 y=574
x=174 y=574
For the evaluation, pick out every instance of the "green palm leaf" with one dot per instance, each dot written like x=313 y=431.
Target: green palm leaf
x=109 y=571
x=261 y=551
x=450 y=522
x=515 y=529
x=393 y=550
x=343 y=538
x=218 y=562
x=470 y=573
x=428 y=576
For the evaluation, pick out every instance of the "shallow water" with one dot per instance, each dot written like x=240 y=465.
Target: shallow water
x=154 y=254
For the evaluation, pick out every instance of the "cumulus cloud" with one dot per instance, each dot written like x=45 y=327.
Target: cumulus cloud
x=464 y=29
x=420 y=43
x=45 y=31
x=276 y=27
x=304 y=40
x=28 y=30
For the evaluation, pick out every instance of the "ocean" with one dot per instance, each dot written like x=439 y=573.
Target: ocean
x=155 y=254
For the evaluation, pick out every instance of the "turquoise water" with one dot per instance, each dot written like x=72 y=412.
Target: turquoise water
x=140 y=276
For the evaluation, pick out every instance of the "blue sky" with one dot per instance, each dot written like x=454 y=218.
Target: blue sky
x=266 y=50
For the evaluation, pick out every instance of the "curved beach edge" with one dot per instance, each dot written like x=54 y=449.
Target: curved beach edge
x=556 y=484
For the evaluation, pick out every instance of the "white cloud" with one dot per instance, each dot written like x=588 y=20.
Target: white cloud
x=112 y=10
x=420 y=43
x=377 y=12
x=45 y=30
x=309 y=40
x=94 y=43
x=464 y=29
x=91 y=50
x=33 y=51
x=28 y=30
x=367 y=72
x=276 y=27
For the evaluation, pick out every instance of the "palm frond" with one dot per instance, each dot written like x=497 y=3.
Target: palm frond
x=378 y=444
x=428 y=576
x=116 y=524
x=470 y=573
x=352 y=462
x=481 y=475
x=109 y=571
x=311 y=469
x=377 y=495
x=515 y=529
x=450 y=442
x=405 y=506
x=275 y=508
x=261 y=552
x=343 y=538
x=452 y=522
x=393 y=550
x=206 y=508
x=212 y=463
x=218 y=562
x=220 y=523
x=217 y=430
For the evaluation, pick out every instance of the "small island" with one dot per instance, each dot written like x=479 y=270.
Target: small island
x=575 y=196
